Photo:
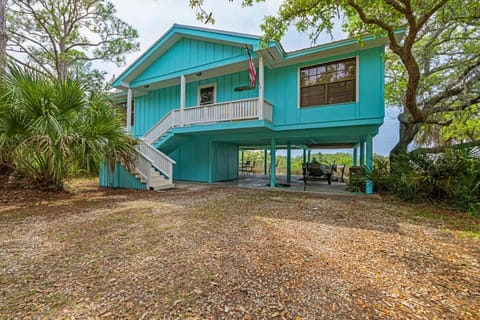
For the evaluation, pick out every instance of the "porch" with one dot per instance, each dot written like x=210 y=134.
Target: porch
x=237 y=110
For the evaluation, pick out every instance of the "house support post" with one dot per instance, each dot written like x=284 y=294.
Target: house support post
x=362 y=153
x=129 y=110
x=273 y=149
x=261 y=91
x=289 y=160
x=369 y=164
x=182 y=99
x=355 y=156
x=265 y=161
x=304 y=155
x=242 y=163
x=309 y=158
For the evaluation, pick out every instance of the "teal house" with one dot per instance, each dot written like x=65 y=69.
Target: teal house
x=193 y=104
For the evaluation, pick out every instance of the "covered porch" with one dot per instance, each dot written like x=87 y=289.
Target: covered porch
x=361 y=150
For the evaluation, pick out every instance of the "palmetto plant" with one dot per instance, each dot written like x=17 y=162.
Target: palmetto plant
x=50 y=127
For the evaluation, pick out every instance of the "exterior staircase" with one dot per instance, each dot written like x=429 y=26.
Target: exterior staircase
x=155 y=169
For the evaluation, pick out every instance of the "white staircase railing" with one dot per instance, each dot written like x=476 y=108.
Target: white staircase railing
x=150 y=157
x=160 y=128
x=143 y=166
x=158 y=159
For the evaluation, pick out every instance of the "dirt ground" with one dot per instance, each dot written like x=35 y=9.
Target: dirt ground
x=211 y=252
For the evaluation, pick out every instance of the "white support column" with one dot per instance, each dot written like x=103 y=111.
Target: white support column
x=261 y=89
x=129 y=111
x=182 y=99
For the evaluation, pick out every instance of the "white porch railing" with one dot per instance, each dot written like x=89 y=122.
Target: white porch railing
x=158 y=159
x=233 y=110
x=268 y=111
x=227 y=111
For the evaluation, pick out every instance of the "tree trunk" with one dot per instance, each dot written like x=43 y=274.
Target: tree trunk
x=408 y=131
x=3 y=36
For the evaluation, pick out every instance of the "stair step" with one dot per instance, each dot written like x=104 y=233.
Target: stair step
x=158 y=178
x=163 y=186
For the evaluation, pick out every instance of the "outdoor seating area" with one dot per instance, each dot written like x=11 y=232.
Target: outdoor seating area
x=314 y=169
x=247 y=167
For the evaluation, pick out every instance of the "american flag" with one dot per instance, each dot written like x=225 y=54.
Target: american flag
x=251 y=70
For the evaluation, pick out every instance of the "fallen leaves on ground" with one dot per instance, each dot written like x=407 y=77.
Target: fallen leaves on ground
x=227 y=253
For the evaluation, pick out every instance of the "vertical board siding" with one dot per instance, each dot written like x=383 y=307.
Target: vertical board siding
x=372 y=83
x=282 y=90
x=195 y=160
x=189 y=53
x=192 y=160
x=224 y=86
x=224 y=162
x=119 y=177
x=150 y=108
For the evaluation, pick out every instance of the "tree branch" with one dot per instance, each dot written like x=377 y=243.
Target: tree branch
x=456 y=87
x=443 y=148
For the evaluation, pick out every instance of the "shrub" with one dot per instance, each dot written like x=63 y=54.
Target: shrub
x=452 y=177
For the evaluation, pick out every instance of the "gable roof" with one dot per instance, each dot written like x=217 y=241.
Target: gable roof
x=273 y=53
x=175 y=33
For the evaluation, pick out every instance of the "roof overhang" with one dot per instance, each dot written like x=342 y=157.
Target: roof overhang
x=275 y=56
x=174 y=34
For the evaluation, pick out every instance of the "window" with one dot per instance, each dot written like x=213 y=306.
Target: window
x=328 y=83
x=206 y=94
x=123 y=106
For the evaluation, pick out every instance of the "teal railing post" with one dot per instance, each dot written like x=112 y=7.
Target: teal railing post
x=289 y=160
x=355 y=156
x=273 y=149
x=369 y=164
x=265 y=161
x=362 y=153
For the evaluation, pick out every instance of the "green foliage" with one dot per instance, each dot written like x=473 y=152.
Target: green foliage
x=50 y=128
x=452 y=177
x=61 y=37
x=257 y=157
x=380 y=175
x=432 y=72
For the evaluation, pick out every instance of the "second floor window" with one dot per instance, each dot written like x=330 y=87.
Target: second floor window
x=206 y=95
x=123 y=106
x=328 y=83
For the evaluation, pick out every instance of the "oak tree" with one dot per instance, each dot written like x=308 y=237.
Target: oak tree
x=433 y=71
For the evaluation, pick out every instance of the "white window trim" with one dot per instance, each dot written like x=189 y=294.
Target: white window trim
x=214 y=85
x=357 y=81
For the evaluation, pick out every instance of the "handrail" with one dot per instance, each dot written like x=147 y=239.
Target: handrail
x=225 y=111
x=160 y=128
x=149 y=156
x=160 y=161
x=143 y=165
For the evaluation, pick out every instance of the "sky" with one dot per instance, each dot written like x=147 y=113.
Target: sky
x=152 y=18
